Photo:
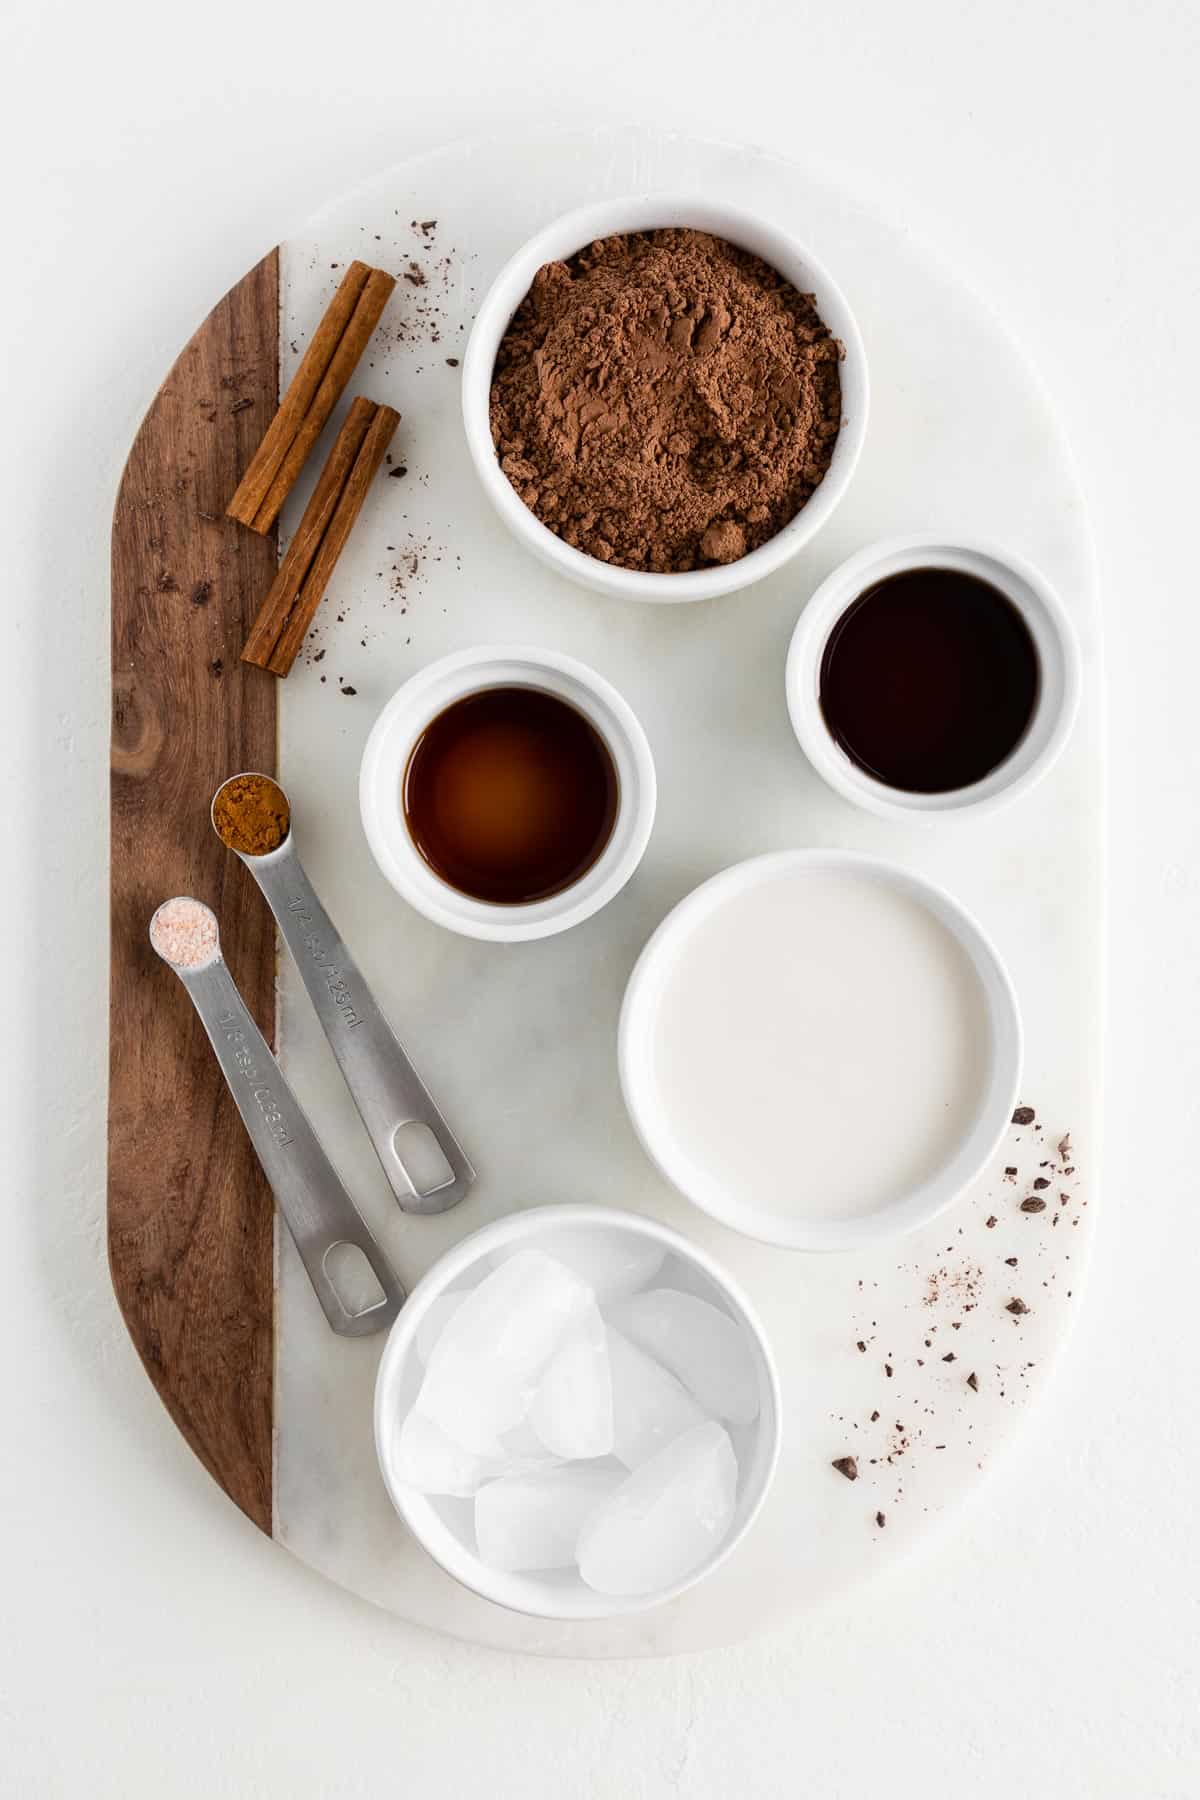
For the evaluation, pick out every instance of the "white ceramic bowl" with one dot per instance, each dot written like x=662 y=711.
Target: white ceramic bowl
x=1058 y=689
x=406 y=716
x=561 y=239
x=813 y=1231
x=444 y=1526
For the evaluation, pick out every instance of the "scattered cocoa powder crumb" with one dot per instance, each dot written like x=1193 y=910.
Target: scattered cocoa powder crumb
x=1016 y=1307
x=861 y=1346
x=1033 y=1205
x=1024 y=1115
x=1041 y=1182
x=846 y=1465
x=394 y=474
x=1011 y=1261
x=950 y=1356
x=990 y=1221
x=1010 y=1173
x=887 y=1369
x=973 y=1382
x=665 y=400
x=452 y=362
x=874 y=1417
x=348 y=690
x=959 y=1285
x=881 y=1520
x=1064 y=1146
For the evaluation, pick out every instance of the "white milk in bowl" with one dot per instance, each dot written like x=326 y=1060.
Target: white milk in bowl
x=818 y=1047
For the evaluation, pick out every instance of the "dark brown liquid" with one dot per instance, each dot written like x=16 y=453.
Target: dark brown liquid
x=929 y=680
x=510 y=795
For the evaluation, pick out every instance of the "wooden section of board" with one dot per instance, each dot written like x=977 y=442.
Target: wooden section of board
x=190 y=1218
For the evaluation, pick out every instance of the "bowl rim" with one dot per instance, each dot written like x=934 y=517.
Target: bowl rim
x=413 y=1507
x=912 y=1209
x=571 y=231
x=409 y=710
x=1060 y=669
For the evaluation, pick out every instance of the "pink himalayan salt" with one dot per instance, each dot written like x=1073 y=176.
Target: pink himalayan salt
x=184 y=932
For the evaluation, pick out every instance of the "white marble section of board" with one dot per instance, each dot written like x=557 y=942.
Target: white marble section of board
x=518 y=1041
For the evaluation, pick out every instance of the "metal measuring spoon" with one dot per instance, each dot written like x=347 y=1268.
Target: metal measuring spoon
x=316 y=1208
x=386 y=1089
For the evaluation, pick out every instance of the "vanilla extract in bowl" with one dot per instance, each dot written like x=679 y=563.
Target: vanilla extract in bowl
x=510 y=795
x=929 y=680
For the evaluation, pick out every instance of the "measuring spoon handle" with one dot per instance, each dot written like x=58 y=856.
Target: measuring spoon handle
x=316 y=1208
x=386 y=1088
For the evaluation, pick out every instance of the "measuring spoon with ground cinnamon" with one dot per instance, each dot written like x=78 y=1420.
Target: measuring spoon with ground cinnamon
x=425 y=1165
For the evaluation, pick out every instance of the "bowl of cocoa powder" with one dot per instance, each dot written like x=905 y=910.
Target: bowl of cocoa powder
x=664 y=398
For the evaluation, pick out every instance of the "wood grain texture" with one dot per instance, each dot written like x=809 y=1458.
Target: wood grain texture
x=190 y=1218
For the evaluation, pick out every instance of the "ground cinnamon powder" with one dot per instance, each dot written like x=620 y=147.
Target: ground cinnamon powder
x=251 y=814
x=664 y=400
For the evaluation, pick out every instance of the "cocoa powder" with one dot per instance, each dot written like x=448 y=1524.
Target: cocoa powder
x=664 y=400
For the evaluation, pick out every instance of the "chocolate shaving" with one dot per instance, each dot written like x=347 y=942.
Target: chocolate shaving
x=1033 y=1205
x=1016 y=1307
x=881 y=1520
x=973 y=1382
x=846 y=1465
x=1024 y=1115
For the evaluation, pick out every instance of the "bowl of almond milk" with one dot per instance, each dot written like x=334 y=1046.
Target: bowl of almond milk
x=820 y=1049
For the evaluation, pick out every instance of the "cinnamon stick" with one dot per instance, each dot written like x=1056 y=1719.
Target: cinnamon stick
x=349 y=505
x=375 y=294
x=281 y=432
x=289 y=578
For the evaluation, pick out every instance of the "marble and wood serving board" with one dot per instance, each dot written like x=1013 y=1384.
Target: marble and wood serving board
x=518 y=1042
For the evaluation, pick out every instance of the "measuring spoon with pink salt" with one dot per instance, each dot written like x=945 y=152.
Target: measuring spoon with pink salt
x=351 y=1277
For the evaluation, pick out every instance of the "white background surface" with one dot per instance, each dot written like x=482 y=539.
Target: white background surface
x=153 y=1643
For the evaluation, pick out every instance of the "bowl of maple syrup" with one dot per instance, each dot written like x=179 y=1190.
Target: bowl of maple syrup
x=929 y=678
x=507 y=793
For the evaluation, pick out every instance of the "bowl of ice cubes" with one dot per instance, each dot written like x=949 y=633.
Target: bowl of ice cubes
x=576 y=1413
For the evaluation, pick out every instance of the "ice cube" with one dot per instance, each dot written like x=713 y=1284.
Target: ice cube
x=486 y=1365
x=534 y=1521
x=649 y=1407
x=524 y=1449
x=572 y=1411
x=703 y=1346
x=612 y=1262
x=424 y=1457
x=665 y=1519
x=437 y=1316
